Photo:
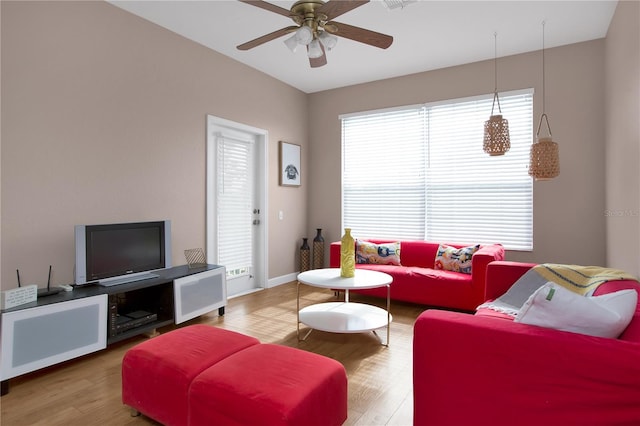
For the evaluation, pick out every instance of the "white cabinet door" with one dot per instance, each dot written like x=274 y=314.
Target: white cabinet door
x=45 y=335
x=199 y=294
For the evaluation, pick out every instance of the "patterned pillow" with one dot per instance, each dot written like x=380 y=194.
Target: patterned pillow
x=382 y=254
x=453 y=259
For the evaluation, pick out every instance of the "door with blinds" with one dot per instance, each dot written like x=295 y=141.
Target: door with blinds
x=235 y=224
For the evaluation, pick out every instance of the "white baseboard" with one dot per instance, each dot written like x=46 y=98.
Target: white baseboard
x=283 y=279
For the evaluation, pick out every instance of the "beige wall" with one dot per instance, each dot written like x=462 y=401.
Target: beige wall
x=568 y=211
x=104 y=118
x=622 y=103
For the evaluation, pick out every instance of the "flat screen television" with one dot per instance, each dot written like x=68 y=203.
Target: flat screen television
x=118 y=253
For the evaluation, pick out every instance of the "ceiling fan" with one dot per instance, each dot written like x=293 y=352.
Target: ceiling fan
x=316 y=29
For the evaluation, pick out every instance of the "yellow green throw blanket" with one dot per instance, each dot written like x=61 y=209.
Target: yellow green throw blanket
x=583 y=280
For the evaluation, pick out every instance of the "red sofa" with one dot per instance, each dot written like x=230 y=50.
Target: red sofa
x=484 y=369
x=417 y=281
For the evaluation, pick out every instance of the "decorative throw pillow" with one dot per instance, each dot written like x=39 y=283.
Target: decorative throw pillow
x=454 y=259
x=382 y=254
x=554 y=306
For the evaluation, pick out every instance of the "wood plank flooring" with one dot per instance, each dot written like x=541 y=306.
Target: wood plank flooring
x=86 y=391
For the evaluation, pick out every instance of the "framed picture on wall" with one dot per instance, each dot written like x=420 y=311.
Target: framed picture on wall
x=289 y=164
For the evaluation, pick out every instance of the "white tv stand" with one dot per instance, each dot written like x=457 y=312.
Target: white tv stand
x=71 y=324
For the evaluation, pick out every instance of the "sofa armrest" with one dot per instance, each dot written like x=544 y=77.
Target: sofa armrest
x=501 y=275
x=334 y=254
x=483 y=257
x=511 y=373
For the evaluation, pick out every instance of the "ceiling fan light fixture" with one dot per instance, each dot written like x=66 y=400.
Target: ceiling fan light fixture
x=315 y=51
x=328 y=40
x=292 y=43
x=304 y=35
x=315 y=29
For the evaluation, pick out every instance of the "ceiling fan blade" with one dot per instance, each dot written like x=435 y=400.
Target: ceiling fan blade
x=361 y=35
x=268 y=6
x=334 y=8
x=318 y=62
x=265 y=38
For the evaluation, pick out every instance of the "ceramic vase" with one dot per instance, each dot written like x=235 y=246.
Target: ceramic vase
x=347 y=255
x=318 y=250
x=305 y=256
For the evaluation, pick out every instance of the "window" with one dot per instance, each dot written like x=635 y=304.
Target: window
x=419 y=172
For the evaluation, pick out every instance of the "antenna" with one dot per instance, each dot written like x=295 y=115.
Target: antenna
x=49 y=279
x=42 y=292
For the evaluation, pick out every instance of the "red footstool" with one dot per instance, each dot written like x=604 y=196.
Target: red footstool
x=270 y=385
x=156 y=374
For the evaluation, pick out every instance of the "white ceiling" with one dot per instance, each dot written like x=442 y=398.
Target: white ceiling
x=427 y=34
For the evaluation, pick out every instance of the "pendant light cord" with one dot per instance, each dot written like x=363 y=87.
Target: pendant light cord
x=495 y=73
x=495 y=60
x=544 y=114
x=543 y=73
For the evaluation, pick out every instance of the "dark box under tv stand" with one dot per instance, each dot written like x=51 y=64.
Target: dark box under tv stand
x=86 y=319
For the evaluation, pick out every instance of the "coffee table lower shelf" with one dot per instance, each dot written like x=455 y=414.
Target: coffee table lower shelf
x=344 y=317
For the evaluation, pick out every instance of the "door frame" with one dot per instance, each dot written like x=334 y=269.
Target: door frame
x=216 y=124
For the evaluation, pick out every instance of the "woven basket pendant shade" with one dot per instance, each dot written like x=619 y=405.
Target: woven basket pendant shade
x=544 y=157
x=544 y=161
x=496 y=136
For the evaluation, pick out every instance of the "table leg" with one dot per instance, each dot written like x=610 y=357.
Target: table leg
x=346 y=296
x=298 y=316
x=298 y=310
x=388 y=313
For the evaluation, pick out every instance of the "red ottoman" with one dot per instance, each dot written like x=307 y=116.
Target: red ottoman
x=270 y=385
x=156 y=374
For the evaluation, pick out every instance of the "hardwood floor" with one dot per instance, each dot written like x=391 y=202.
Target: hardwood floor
x=86 y=391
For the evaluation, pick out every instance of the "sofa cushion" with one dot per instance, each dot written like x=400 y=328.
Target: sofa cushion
x=553 y=306
x=380 y=254
x=417 y=253
x=455 y=259
x=416 y=276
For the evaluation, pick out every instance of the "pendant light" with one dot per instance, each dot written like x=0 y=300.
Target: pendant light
x=544 y=158
x=496 y=129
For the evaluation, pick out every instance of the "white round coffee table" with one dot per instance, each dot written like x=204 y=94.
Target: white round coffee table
x=346 y=316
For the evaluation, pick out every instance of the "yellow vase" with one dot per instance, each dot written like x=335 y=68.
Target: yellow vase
x=347 y=255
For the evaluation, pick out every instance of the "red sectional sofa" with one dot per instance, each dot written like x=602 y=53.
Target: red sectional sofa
x=483 y=369
x=417 y=281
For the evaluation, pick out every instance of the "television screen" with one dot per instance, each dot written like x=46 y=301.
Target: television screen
x=114 y=250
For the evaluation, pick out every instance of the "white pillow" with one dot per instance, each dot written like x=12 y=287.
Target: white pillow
x=556 y=307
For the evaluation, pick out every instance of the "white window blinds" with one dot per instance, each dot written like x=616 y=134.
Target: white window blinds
x=421 y=173
x=234 y=193
x=383 y=178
